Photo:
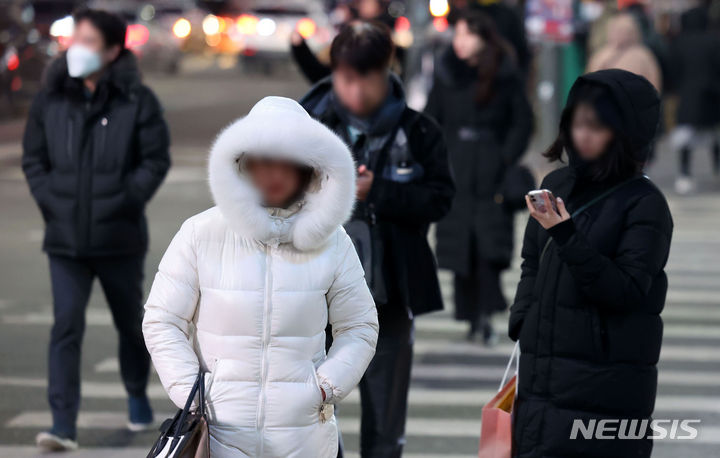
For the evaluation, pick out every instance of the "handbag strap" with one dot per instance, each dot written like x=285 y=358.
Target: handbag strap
x=513 y=356
x=199 y=385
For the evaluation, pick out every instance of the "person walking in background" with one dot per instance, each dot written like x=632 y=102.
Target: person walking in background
x=95 y=151
x=245 y=290
x=479 y=100
x=625 y=50
x=403 y=185
x=696 y=56
x=510 y=25
x=592 y=287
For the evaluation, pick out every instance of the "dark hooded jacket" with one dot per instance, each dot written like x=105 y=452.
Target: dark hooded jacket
x=413 y=189
x=483 y=140
x=587 y=308
x=696 y=54
x=93 y=161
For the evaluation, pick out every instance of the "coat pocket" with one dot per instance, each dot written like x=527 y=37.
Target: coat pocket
x=209 y=380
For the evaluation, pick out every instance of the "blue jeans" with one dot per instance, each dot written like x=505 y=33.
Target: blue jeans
x=121 y=280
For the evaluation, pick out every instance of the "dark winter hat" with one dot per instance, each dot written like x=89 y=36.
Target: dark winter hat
x=631 y=106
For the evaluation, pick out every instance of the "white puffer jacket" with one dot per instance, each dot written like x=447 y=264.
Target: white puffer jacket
x=246 y=292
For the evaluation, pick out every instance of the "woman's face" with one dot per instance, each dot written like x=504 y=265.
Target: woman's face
x=590 y=137
x=278 y=181
x=466 y=44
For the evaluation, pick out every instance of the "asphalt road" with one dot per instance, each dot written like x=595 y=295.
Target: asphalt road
x=451 y=379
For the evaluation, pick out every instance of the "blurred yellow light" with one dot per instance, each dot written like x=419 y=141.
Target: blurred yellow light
x=247 y=24
x=181 y=28
x=439 y=7
x=211 y=25
x=306 y=27
x=213 y=40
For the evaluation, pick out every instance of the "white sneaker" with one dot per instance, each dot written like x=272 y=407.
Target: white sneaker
x=685 y=185
x=139 y=427
x=52 y=443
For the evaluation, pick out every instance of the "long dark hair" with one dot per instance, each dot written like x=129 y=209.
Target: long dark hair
x=616 y=163
x=495 y=49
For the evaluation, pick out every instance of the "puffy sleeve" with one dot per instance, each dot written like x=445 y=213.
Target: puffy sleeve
x=353 y=317
x=621 y=282
x=169 y=312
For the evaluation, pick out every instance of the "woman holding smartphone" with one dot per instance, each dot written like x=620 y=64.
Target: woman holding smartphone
x=246 y=289
x=587 y=308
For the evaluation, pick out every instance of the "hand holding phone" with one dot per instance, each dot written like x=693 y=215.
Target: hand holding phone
x=537 y=198
x=540 y=201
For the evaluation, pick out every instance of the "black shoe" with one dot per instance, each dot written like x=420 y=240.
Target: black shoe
x=490 y=337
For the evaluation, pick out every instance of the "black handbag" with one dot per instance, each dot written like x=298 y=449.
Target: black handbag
x=517 y=182
x=186 y=435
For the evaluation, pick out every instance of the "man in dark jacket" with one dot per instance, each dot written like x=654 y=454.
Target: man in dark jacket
x=587 y=308
x=95 y=151
x=404 y=184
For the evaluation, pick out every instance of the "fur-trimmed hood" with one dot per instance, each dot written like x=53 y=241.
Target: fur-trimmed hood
x=278 y=127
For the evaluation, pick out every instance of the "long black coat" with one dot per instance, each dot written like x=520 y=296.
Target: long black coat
x=92 y=164
x=587 y=313
x=404 y=209
x=482 y=141
x=696 y=55
x=587 y=308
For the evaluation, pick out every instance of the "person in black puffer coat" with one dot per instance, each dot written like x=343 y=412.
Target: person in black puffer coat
x=479 y=100
x=95 y=150
x=587 y=308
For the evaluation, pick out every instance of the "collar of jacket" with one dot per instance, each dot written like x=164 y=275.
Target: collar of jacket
x=321 y=104
x=280 y=128
x=123 y=75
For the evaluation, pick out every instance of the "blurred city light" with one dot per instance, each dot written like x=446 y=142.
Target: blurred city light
x=266 y=27
x=306 y=27
x=182 y=28
x=247 y=24
x=211 y=25
x=62 y=27
x=136 y=36
x=439 y=8
x=440 y=24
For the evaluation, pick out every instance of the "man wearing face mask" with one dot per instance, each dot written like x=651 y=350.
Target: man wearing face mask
x=95 y=150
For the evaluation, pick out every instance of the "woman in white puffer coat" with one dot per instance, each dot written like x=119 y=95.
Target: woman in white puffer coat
x=246 y=289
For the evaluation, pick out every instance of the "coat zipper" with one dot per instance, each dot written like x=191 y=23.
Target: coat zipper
x=69 y=139
x=267 y=323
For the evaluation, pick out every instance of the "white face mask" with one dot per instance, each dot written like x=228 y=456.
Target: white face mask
x=82 y=61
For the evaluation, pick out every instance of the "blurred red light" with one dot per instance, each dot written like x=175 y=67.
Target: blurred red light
x=16 y=84
x=440 y=24
x=402 y=24
x=136 y=36
x=13 y=62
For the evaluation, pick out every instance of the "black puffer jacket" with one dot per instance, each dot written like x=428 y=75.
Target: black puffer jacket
x=483 y=140
x=414 y=189
x=93 y=163
x=587 y=309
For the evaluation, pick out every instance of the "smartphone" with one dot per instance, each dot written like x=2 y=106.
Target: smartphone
x=537 y=200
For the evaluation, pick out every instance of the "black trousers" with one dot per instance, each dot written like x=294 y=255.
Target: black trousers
x=480 y=293
x=121 y=280
x=384 y=387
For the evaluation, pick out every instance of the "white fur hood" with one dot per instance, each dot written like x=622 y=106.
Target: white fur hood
x=279 y=127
